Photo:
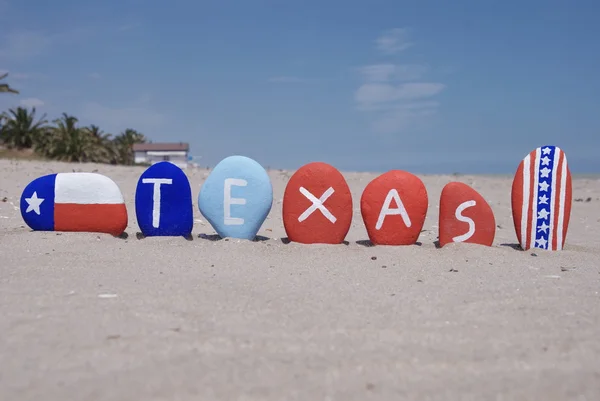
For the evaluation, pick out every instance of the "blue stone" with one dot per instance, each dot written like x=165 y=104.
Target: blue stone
x=163 y=201
x=236 y=198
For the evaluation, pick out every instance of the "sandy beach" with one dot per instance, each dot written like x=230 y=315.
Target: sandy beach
x=91 y=317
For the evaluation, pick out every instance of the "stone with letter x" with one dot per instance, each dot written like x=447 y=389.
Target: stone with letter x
x=317 y=204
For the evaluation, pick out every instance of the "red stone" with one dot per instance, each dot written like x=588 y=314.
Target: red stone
x=404 y=196
x=541 y=199
x=465 y=216
x=306 y=223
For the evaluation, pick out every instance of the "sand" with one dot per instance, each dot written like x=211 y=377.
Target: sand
x=92 y=317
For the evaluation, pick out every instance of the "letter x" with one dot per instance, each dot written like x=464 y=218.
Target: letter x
x=317 y=204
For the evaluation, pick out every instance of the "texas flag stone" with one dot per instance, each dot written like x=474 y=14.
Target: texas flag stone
x=394 y=206
x=317 y=205
x=78 y=202
x=465 y=216
x=163 y=201
x=236 y=198
x=541 y=199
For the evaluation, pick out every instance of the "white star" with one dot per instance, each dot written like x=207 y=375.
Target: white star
x=543 y=214
x=546 y=150
x=542 y=242
x=545 y=161
x=544 y=186
x=544 y=227
x=34 y=204
x=544 y=172
x=543 y=200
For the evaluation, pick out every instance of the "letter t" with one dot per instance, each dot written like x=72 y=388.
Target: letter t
x=156 y=197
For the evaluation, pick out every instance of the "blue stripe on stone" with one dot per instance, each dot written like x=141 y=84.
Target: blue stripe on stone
x=543 y=202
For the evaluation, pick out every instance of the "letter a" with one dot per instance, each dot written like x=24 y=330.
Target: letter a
x=465 y=219
x=386 y=211
x=228 y=201
x=156 y=197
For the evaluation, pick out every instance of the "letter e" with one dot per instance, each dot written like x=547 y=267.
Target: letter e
x=228 y=201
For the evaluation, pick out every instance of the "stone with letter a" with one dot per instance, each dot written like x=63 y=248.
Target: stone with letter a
x=163 y=201
x=541 y=199
x=74 y=202
x=394 y=206
x=465 y=216
x=236 y=198
x=317 y=205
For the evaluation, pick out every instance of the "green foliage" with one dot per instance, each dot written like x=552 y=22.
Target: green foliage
x=20 y=128
x=64 y=139
x=4 y=88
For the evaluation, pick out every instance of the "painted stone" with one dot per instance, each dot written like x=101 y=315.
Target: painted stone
x=84 y=202
x=541 y=199
x=317 y=205
x=465 y=216
x=236 y=198
x=394 y=206
x=163 y=201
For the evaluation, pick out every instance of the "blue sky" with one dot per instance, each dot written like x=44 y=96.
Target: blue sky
x=425 y=86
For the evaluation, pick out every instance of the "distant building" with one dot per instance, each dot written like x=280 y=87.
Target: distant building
x=150 y=153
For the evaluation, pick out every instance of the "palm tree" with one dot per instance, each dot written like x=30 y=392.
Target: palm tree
x=4 y=88
x=105 y=150
x=71 y=143
x=124 y=145
x=21 y=130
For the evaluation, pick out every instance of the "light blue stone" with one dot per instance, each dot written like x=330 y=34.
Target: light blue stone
x=236 y=198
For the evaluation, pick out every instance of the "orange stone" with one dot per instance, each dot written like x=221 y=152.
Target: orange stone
x=465 y=216
x=394 y=207
x=317 y=205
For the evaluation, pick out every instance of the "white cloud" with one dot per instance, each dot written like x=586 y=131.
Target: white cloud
x=382 y=93
x=286 y=79
x=393 y=103
x=32 y=102
x=387 y=72
x=115 y=120
x=393 y=41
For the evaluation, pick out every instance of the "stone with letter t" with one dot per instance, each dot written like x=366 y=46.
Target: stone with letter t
x=236 y=198
x=163 y=201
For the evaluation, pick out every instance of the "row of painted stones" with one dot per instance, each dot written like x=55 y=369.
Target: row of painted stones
x=237 y=196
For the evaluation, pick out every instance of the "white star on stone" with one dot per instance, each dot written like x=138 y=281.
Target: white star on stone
x=546 y=151
x=543 y=214
x=34 y=204
x=541 y=242
x=543 y=200
x=544 y=186
x=545 y=161
x=544 y=227
x=544 y=172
